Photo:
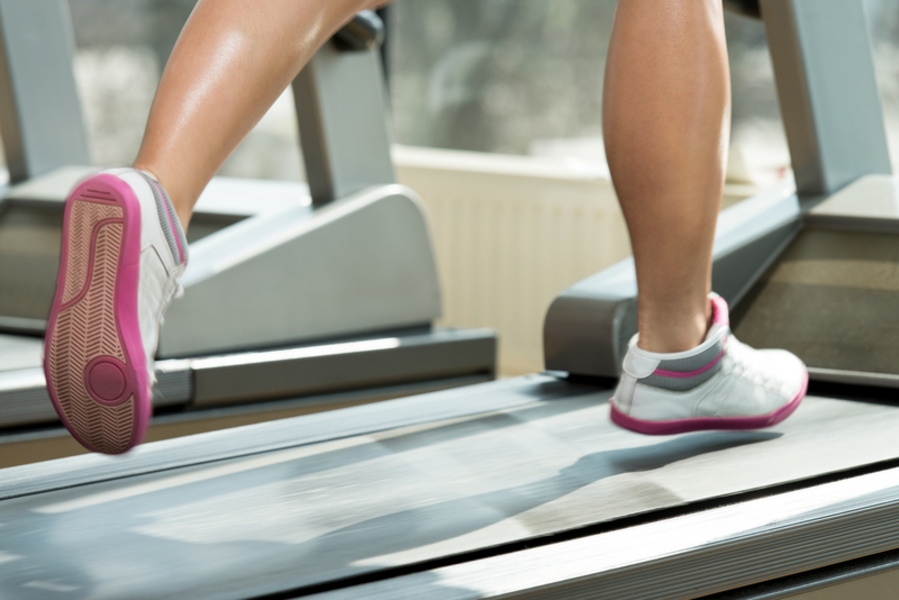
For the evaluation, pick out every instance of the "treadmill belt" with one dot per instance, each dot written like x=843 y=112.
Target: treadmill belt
x=832 y=299
x=322 y=512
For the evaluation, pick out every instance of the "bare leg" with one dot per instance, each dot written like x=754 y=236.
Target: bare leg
x=232 y=61
x=666 y=117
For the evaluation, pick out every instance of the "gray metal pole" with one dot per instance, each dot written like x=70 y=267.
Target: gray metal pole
x=823 y=64
x=40 y=116
x=340 y=107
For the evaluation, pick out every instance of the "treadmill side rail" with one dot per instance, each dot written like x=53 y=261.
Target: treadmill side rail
x=433 y=356
x=347 y=365
x=24 y=399
x=690 y=556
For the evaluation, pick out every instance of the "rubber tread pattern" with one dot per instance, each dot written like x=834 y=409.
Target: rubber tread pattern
x=81 y=229
x=78 y=339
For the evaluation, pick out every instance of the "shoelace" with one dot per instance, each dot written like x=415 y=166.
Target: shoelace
x=742 y=364
x=175 y=290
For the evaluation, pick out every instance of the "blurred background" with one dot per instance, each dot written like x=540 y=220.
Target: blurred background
x=496 y=113
x=520 y=77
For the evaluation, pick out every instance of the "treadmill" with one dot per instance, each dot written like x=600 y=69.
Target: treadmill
x=298 y=297
x=522 y=488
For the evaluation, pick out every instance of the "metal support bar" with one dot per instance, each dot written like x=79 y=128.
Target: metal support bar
x=40 y=115
x=831 y=109
x=339 y=99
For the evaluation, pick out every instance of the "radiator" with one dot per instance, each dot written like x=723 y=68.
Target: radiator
x=510 y=233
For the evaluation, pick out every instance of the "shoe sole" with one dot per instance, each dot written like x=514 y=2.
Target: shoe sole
x=709 y=423
x=94 y=360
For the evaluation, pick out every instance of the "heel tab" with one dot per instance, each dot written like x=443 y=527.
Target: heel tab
x=637 y=364
x=720 y=312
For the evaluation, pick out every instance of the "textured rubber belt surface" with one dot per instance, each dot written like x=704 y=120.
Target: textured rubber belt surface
x=93 y=341
x=831 y=300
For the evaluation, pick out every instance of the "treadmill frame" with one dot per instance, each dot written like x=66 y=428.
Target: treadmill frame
x=824 y=72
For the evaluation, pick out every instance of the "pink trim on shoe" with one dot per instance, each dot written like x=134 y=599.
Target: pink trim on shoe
x=171 y=222
x=720 y=312
x=102 y=395
x=709 y=423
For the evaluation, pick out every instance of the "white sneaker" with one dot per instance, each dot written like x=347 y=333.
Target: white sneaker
x=123 y=250
x=720 y=384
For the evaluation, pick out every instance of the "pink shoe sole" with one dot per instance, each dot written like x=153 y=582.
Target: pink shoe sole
x=707 y=423
x=94 y=360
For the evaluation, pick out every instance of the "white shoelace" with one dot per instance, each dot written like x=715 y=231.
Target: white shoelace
x=744 y=365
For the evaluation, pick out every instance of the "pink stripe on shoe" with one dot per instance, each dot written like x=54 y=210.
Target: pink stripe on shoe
x=720 y=313
x=171 y=221
x=688 y=374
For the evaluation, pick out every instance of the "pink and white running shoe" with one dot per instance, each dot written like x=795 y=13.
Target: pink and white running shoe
x=123 y=250
x=720 y=384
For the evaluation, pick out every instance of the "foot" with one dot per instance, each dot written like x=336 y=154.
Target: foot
x=720 y=384
x=123 y=251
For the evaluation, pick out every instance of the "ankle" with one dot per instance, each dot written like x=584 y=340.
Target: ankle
x=672 y=331
x=183 y=218
x=183 y=213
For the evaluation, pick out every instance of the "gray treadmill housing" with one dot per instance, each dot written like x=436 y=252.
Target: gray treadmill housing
x=832 y=115
x=360 y=264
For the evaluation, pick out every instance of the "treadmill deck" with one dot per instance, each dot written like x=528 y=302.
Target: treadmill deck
x=507 y=461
